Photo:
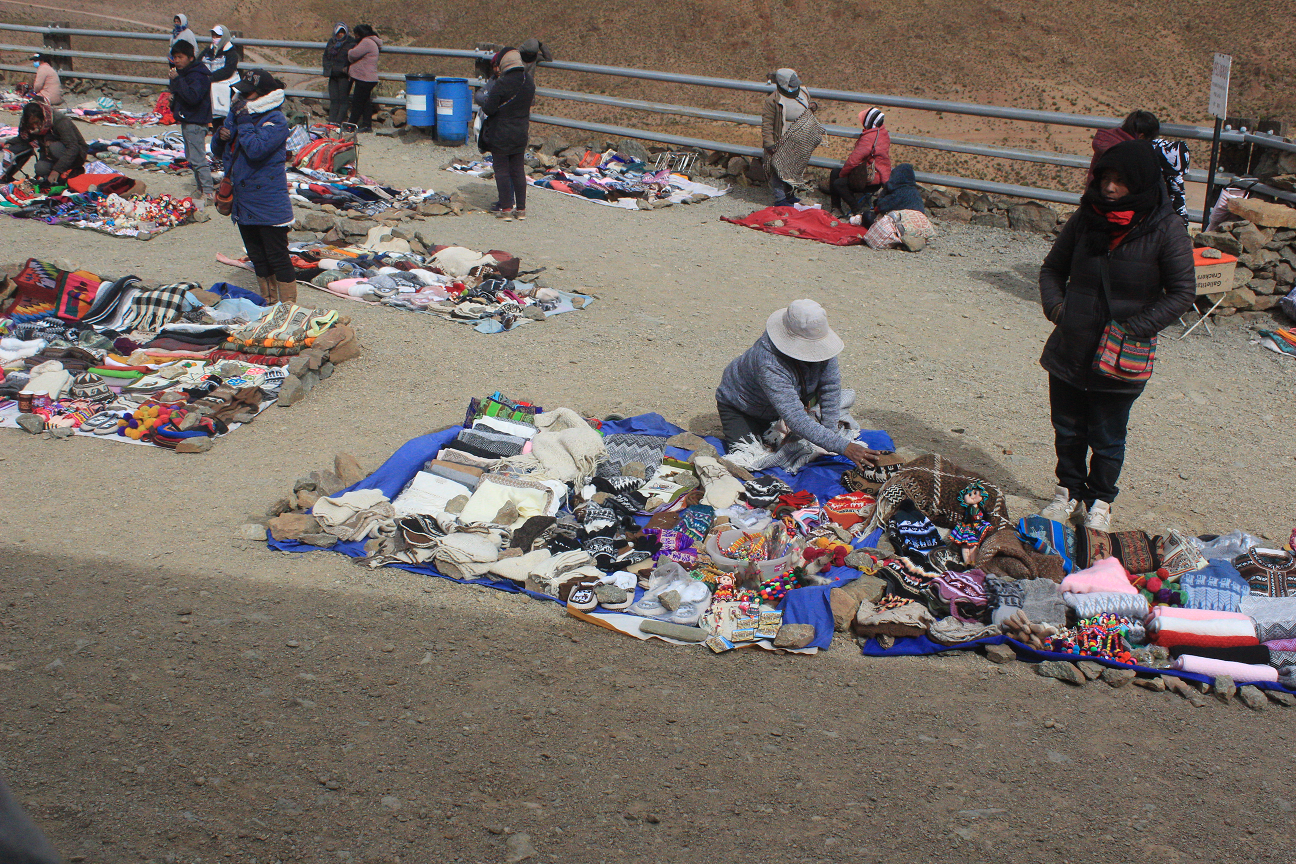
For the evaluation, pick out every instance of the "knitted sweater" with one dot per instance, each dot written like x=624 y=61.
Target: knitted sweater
x=47 y=84
x=765 y=383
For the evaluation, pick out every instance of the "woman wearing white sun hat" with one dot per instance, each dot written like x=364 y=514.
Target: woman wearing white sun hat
x=792 y=366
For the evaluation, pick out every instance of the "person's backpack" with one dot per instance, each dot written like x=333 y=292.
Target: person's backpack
x=328 y=154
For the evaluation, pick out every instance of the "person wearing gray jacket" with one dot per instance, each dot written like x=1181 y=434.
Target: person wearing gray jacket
x=790 y=367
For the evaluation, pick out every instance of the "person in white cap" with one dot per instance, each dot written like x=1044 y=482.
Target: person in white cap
x=791 y=366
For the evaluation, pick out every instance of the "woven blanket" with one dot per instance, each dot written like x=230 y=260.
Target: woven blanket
x=647 y=450
x=493 y=442
x=1133 y=606
x=1224 y=630
x=933 y=484
x=152 y=310
x=796 y=147
x=1275 y=617
x=1241 y=673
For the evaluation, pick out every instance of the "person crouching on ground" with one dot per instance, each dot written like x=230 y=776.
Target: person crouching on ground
x=866 y=168
x=255 y=133
x=1123 y=257
x=192 y=106
x=53 y=138
x=791 y=366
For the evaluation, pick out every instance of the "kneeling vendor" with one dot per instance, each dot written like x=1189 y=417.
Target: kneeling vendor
x=793 y=363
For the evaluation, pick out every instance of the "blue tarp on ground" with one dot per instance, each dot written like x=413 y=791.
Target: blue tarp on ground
x=822 y=478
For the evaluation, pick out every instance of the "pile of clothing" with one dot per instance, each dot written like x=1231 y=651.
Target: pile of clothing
x=612 y=179
x=641 y=527
x=174 y=366
x=358 y=196
x=484 y=290
x=161 y=152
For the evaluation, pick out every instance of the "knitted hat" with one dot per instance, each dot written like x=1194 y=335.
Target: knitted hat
x=800 y=330
x=90 y=387
x=872 y=118
x=869 y=478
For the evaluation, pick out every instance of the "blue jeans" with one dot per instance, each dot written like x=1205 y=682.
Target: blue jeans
x=1084 y=421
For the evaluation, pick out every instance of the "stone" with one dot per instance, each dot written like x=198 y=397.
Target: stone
x=291 y=392
x=941 y=198
x=347 y=349
x=610 y=594
x=1226 y=243
x=1093 y=671
x=670 y=599
x=633 y=149
x=327 y=483
x=297 y=365
x=291 y=526
x=672 y=631
x=1240 y=298
x=196 y=445
x=519 y=848
x=736 y=165
x=1000 y=654
x=1280 y=697
x=1032 y=216
x=333 y=237
x=1061 y=670
x=1224 y=688
x=33 y=423
x=1266 y=302
x=553 y=145
x=252 y=531
x=1284 y=274
x=1261 y=286
x=433 y=208
x=956 y=214
x=1118 y=678
x=306 y=499
x=1212 y=253
x=390 y=802
x=1252 y=697
x=283 y=505
x=1263 y=213
x=794 y=636
x=355 y=227
x=756 y=172
x=313 y=220
x=990 y=220
x=302 y=236
x=348 y=469
x=1251 y=237
x=1156 y=685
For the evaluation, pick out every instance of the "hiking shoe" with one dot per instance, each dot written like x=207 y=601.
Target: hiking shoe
x=520 y=214
x=1063 y=507
x=506 y=215
x=1099 y=516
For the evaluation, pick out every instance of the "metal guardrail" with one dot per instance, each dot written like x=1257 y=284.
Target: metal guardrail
x=945 y=145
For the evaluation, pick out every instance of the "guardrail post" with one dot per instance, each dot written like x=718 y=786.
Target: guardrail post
x=59 y=40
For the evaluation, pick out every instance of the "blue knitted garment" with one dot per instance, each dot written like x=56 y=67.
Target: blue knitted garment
x=1217 y=586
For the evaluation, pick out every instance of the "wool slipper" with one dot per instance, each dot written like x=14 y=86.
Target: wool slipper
x=583 y=597
x=103 y=423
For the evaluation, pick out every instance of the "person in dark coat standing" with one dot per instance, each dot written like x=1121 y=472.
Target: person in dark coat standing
x=363 y=69
x=191 y=104
x=255 y=133
x=336 y=68
x=506 y=131
x=1125 y=235
x=53 y=138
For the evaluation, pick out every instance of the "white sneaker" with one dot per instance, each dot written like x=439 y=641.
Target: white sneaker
x=1099 y=516
x=1063 y=507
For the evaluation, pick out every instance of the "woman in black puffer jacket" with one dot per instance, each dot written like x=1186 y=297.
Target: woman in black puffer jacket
x=507 y=129
x=1126 y=227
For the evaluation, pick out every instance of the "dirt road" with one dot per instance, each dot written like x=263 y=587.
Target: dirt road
x=175 y=641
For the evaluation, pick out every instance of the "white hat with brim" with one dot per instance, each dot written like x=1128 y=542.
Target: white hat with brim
x=800 y=330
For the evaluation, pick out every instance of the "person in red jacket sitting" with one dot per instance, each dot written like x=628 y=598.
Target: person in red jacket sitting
x=866 y=169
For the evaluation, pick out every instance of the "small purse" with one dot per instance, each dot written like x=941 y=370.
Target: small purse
x=225 y=197
x=1120 y=356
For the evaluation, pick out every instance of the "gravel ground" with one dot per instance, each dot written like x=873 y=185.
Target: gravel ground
x=598 y=747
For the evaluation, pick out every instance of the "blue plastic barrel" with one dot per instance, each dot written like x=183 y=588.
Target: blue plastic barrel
x=420 y=100
x=453 y=110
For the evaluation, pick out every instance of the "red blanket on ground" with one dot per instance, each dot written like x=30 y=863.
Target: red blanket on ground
x=813 y=224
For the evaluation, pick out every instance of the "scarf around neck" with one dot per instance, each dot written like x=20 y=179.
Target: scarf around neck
x=177 y=29
x=268 y=102
x=46 y=124
x=1108 y=222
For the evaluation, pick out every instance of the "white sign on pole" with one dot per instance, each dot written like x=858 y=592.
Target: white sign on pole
x=1220 y=85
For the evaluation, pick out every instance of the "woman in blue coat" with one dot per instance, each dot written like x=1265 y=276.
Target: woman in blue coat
x=255 y=133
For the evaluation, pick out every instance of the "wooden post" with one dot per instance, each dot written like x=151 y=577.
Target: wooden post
x=62 y=41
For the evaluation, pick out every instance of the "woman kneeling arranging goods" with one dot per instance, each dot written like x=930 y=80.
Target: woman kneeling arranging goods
x=791 y=367
x=255 y=133
x=1120 y=271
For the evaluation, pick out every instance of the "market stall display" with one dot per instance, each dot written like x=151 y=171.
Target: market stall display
x=641 y=527
x=484 y=290
x=611 y=179
x=173 y=366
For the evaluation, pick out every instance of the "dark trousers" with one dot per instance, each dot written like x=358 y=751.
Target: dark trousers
x=737 y=425
x=362 y=104
x=1085 y=421
x=510 y=180
x=855 y=192
x=339 y=98
x=267 y=248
